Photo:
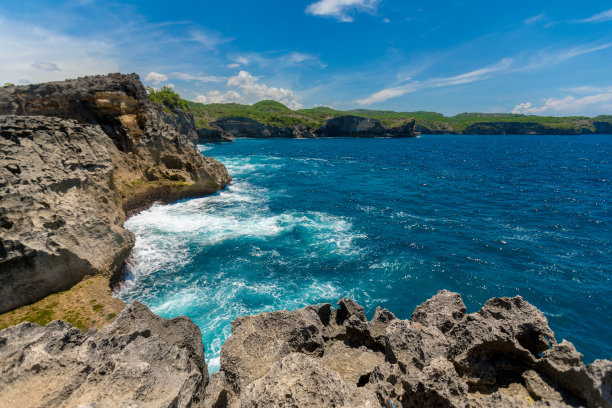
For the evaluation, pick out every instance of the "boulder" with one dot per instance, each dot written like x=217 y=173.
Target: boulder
x=139 y=360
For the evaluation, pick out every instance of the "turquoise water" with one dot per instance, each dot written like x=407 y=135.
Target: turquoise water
x=388 y=222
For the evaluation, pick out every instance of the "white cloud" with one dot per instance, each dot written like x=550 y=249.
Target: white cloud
x=506 y=65
x=475 y=75
x=535 y=19
x=388 y=93
x=208 y=39
x=251 y=87
x=526 y=108
x=547 y=59
x=570 y=105
x=156 y=78
x=219 y=97
x=386 y=20
x=341 y=9
x=472 y=76
x=290 y=59
x=198 y=77
x=27 y=50
x=598 y=18
x=46 y=66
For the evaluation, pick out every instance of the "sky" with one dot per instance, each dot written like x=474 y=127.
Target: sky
x=543 y=57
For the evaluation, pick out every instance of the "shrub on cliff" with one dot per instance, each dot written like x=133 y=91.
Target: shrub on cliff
x=167 y=97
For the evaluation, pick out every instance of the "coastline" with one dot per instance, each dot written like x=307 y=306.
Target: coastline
x=486 y=358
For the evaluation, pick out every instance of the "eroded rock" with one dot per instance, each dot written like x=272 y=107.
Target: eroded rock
x=76 y=156
x=139 y=360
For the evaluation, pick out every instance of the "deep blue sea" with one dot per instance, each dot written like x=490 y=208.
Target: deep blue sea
x=388 y=222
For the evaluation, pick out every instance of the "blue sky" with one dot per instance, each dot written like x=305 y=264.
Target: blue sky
x=538 y=56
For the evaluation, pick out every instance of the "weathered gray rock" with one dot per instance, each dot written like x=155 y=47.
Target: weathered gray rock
x=214 y=134
x=246 y=127
x=66 y=184
x=357 y=126
x=445 y=311
x=319 y=356
x=60 y=217
x=299 y=381
x=139 y=360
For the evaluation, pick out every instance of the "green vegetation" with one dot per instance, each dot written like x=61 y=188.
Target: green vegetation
x=7 y=85
x=167 y=97
x=276 y=114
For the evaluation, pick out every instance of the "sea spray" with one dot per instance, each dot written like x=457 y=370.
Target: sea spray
x=388 y=222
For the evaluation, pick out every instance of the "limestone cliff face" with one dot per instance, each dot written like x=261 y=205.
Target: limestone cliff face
x=342 y=126
x=245 y=127
x=60 y=216
x=75 y=157
x=518 y=128
x=504 y=355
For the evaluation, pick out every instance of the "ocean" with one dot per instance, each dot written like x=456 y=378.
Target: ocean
x=388 y=222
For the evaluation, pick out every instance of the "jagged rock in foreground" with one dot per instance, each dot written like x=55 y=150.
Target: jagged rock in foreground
x=504 y=355
x=139 y=360
x=99 y=150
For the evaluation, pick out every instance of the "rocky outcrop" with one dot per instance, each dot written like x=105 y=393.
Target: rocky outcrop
x=504 y=355
x=245 y=127
x=342 y=126
x=356 y=126
x=59 y=215
x=214 y=134
x=139 y=360
x=75 y=157
x=520 y=128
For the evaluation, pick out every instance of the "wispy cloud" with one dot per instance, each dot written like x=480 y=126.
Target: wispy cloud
x=277 y=60
x=198 y=77
x=570 y=105
x=209 y=39
x=535 y=19
x=28 y=49
x=46 y=66
x=549 y=58
x=506 y=65
x=471 y=76
x=341 y=10
x=598 y=18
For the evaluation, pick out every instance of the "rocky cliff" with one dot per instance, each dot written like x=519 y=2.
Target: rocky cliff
x=245 y=127
x=75 y=157
x=504 y=355
x=519 y=128
x=356 y=126
x=226 y=129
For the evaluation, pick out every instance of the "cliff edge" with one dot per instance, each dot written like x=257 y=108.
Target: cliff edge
x=75 y=157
